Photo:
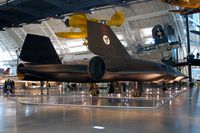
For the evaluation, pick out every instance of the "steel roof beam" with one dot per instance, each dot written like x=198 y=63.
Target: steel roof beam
x=63 y=5
x=6 y=5
x=194 y=21
x=16 y=2
x=32 y=12
x=91 y=3
x=148 y=15
x=8 y=17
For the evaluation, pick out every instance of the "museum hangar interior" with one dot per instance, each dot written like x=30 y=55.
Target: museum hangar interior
x=99 y=66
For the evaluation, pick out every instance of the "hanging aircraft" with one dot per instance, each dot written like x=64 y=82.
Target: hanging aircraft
x=161 y=42
x=79 y=20
x=187 y=6
x=111 y=63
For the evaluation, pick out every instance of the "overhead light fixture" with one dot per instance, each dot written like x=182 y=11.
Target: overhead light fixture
x=92 y=10
x=5 y=28
x=98 y=127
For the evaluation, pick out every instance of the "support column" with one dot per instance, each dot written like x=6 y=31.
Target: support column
x=188 y=50
x=66 y=87
x=48 y=87
x=41 y=87
x=17 y=51
x=140 y=87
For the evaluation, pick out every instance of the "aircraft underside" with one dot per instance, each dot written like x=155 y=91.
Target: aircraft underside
x=108 y=77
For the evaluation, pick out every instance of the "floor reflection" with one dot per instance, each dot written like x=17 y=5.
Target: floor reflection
x=180 y=115
x=150 y=99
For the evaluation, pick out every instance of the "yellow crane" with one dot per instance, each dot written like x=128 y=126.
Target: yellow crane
x=79 y=20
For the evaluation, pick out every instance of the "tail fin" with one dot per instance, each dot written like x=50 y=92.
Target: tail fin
x=39 y=50
x=102 y=41
x=159 y=35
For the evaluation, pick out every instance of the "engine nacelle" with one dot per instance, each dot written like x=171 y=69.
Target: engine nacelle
x=96 y=68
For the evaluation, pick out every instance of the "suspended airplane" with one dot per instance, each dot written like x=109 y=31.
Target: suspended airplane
x=79 y=21
x=161 y=42
x=187 y=6
x=112 y=63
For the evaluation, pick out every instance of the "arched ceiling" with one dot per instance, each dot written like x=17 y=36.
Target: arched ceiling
x=140 y=18
x=16 y=12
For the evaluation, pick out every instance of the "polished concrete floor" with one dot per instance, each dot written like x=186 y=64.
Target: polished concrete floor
x=180 y=115
x=152 y=99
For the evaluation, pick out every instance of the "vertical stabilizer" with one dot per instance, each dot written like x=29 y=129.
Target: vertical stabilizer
x=39 y=50
x=102 y=41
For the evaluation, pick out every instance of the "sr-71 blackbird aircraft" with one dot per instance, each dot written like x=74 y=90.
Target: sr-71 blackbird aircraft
x=112 y=63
